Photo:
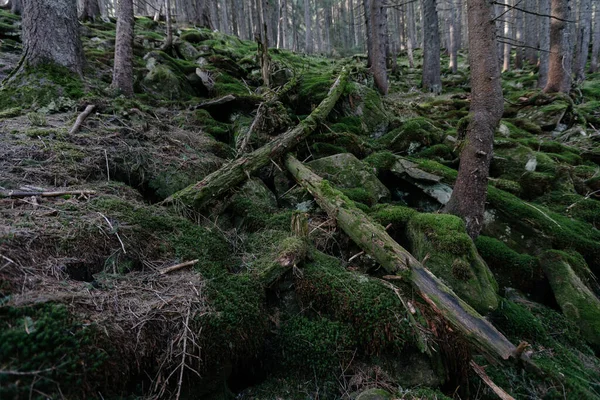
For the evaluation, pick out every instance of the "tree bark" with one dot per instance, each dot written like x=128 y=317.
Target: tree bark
x=596 y=39
x=518 y=23
x=559 y=68
x=374 y=240
x=507 y=38
x=453 y=37
x=197 y=196
x=531 y=32
x=90 y=10
x=487 y=104
x=583 y=38
x=369 y=31
x=378 y=43
x=544 y=9
x=51 y=34
x=411 y=34
x=123 y=69
x=308 y=31
x=432 y=81
x=16 y=7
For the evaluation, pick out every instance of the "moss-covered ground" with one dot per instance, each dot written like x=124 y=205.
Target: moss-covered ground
x=275 y=301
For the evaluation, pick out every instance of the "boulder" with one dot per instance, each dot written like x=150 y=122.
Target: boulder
x=365 y=103
x=352 y=176
x=374 y=394
x=413 y=136
x=186 y=50
x=452 y=256
x=547 y=117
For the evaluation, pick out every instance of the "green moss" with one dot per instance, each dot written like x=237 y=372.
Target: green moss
x=358 y=195
x=525 y=125
x=569 y=366
x=453 y=257
x=398 y=216
x=510 y=268
x=412 y=135
x=438 y=169
x=563 y=232
x=47 y=338
x=11 y=112
x=352 y=124
x=316 y=347
x=507 y=185
x=357 y=300
x=382 y=160
x=145 y=23
x=326 y=149
x=573 y=205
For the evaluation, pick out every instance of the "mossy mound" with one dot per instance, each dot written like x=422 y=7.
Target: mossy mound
x=352 y=177
x=454 y=258
x=577 y=302
x=414 y=135
x=569 y=366
x=365 y=104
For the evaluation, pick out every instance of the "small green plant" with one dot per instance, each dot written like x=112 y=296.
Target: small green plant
x=37 y=118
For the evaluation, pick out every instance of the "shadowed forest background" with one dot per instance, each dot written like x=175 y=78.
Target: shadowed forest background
x=299 y=199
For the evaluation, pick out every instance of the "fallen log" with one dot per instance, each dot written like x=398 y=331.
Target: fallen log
x=396 y=260
x=198 y=195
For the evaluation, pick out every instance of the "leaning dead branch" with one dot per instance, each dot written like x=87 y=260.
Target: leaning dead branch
x=486 y=379
x=177 y=267
x=197 y=196
x=396 y=260
x=81 y=118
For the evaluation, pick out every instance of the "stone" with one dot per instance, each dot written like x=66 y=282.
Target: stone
x=547 y=117
x=347 y=172
x=366 y=103
x=186 y=50
x=374 y=394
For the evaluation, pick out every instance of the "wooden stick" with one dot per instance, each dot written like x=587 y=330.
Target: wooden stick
x=26 y=193
x=178 y=266
x=81 y=118
x=485 y=378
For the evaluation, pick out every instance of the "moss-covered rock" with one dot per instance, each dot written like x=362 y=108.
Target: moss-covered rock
x=576 y=300
x=186 y=50
x=547 y=117
x=350 y=174
x=453 y=258
x=365 y=104
x=374 y=394
x=412 y=136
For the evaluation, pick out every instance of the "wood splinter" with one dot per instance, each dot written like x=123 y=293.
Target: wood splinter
x=81 y=118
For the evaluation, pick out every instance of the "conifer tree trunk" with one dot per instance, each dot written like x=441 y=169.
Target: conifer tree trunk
x=518 y=24
x=508 y=37
x=411 y=34
x=15 y=7
x=51 y=34
x=308 y=30
x=583 y=38
x=544 y=9
x=559 y=68
x=123 y=69
x=369 y=31
x=432 y=81
x=596 y=39
x=90 y=10
x=531 y=31
x=453 y=37
x=378 y=42
x=487 y=104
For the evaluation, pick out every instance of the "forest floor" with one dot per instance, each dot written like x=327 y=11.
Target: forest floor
x=89 y=306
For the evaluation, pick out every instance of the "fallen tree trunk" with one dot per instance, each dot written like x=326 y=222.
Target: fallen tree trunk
x=373 y=239
x=214 y=185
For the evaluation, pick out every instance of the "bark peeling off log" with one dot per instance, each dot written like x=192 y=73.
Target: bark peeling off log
x=373 y=239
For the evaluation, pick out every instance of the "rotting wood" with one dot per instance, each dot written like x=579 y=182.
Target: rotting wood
x=198 y=195
x=27 y=193
x=396 y=260
x=81 y=118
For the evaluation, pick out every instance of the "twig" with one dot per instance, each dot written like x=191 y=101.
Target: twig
x=178 y=266
x=115 y=231
x=543 y=213
x=107 y=167
x=183 y=353
x=81 y=118
x=26 y=193
x=484 y=377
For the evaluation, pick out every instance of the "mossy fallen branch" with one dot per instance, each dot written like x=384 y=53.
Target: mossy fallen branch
x=373 y=238
x=197 y=196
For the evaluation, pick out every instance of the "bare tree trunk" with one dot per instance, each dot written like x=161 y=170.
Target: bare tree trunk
x=559 y=69
x=369 y=31
x=169 y=39
x=90 y=10
x=518 y=18
x=123 y=69
x=378 y=42
x=351 y=27
x=308 y=30
x=507 y=38
x=328 y=47
x=453 y=37
x=531 y=32
x=544 y=9
x=583 y=38
x=487 y=104
x=318 y=42
x=411 y=36
x=432 y=81
x=51 y=34
x=224 y=18
x=596 y=39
